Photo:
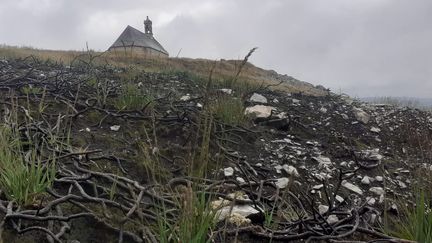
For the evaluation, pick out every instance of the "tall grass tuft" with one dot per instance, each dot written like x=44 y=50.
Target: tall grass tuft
x=195 y=220
x=413 y=223
x=132 y=98
x=230 y=110
x=23 y=176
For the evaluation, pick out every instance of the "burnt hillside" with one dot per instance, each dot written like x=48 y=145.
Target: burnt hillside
x=102 y=153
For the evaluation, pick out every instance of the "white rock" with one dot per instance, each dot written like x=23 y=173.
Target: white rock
x=322 y=160
x=370 y=154
x=375 y=129
x=322 y=209
x=332 y=219
x=87 y=129
x=377 y=190
x=365 y=180
x=228 y=211
x=381 y=198
x=258 y=98
x=323 y=110
x=339 y=199
x=352 y=187
x=260 y=111
x=295 y=101
x=379 y=178
x=275 y=101
x=155 y=150
x=427 y=166
x=291 y=170
x=239 y=220
x=344 y=164
x=199 y=105
x=371 y=201
x=185 y=97
x=345 y=116
x=278 y=168
x=282 y=115
x=227 y=91
x=115 y=128
x=394 y=208
x=229 y=171
x=317 y=187
x=361 y=115
x=240 y=180
x=282 y=183
x=401 y=184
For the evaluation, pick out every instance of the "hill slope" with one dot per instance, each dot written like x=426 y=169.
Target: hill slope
x=121 y=154
x=221 y=70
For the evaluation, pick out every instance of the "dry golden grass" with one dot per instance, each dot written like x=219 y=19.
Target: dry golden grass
x=223 y=69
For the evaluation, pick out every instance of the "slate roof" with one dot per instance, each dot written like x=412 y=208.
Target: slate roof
x=133 y=37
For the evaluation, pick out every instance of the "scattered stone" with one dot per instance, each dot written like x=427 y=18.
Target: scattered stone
x=278 y=168
x=377 y=190
x=332 y=219
x=258 y=98
x=88 y=129
x=372 y=219
x=276 y=101
x=323 y=110
x=240 y=180
x=291 y=170
x=370 y=201
x=318 y=187
x=375 y=129
x=229 y=171
x=322 y=209
x=227 y=91
x=295 y=101
x=241 y=211
x=259 y=111
x=282 y=183
x=155 y=150
x=239 y=220
x=365 y=180
x=379 y=178
x=185 y=97
x=352 y=187
x=401 y=184
x=370 y=155
x=361 y=115
x=393 y=209
x=381 y=198
x=322 y=161
x=339 y=199
x=115 y=128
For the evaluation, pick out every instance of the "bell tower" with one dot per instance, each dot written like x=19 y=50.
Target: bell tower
x=148 y=26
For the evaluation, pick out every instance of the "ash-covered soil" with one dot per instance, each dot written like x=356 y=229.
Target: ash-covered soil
x=299 y=168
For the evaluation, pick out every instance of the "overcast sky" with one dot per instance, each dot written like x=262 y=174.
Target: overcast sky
x=361 y=47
